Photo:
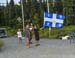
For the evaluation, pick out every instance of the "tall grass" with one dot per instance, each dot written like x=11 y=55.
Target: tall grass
x=56 y=33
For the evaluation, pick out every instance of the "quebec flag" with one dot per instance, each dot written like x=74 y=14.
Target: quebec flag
x=53 y=20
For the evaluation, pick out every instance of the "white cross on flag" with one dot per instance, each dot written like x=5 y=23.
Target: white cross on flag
x=53 y=20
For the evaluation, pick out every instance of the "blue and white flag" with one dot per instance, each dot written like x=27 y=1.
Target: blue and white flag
x=53 y=20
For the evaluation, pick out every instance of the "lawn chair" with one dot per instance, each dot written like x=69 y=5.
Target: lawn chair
x=72 y=37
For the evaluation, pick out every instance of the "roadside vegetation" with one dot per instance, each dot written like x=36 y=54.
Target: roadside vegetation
x=1 y=44
x=45 y=33
x=57 y=33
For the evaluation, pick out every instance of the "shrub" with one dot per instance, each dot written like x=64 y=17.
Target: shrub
x=55 y=32
x=44 y=33
x=11 y=31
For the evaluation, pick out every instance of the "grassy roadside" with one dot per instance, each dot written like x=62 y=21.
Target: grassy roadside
x=56 y=33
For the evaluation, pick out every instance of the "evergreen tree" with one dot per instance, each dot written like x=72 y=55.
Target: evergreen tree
x=58 y=6
x=12 y=14
x=68 y=5
x=12 y=9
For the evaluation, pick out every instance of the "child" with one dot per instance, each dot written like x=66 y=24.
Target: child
x=19 y=35
x=36 y=33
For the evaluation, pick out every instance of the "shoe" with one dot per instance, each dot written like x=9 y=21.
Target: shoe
x=37 y=44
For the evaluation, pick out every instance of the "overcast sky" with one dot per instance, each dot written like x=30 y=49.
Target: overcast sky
x=4 y=1
x=16 y=1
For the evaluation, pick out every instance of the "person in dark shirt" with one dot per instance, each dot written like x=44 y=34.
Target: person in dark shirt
x=36 y=34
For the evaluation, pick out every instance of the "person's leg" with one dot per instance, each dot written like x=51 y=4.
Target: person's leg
x=37 y=43
x=28 y=43
x=30 y=40
x=20 y=40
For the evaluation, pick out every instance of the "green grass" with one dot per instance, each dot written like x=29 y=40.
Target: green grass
x=56 y=33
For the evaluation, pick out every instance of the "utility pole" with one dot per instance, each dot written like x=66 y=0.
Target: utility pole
x=48 y=12
x=22 y=14
x=48 y=5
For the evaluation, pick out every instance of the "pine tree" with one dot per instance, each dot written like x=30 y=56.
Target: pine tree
x=12 y=14
x=68 y=6
x=58 y=6
x=12 y=9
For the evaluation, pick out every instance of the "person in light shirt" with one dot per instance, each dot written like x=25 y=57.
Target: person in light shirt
x=19 y=35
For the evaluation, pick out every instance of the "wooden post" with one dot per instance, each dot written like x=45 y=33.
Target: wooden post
x=48 y=12
x=22 y=14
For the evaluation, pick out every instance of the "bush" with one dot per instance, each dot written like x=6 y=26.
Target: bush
x=55 y=32
x=44 y=33
x=11 y=31
x=1 y=44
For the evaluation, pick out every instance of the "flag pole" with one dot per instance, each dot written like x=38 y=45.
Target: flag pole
x=48 y=6
x=48 y=12
x=22 y=14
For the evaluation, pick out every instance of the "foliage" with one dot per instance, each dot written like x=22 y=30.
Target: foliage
x=69 y=12
x=33 y=12
x=56 y=33
x=11 y=31
x=58 y=6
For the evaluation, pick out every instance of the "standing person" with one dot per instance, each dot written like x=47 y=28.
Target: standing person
x=36 y=33
x=27 y=34
x=30 y=28
x=19 y=35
